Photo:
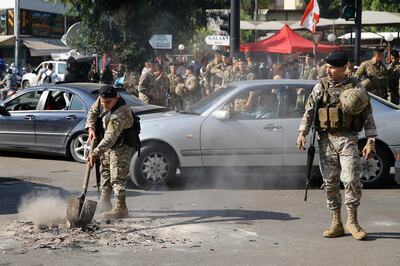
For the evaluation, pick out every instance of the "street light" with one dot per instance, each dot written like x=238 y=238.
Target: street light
x=388 y=38
x=181 y=47
x=331 y=37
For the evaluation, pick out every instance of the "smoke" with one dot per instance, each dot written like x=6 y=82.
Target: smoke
x=43 y=208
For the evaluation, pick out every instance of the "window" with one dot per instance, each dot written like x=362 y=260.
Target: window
x=27 y=101
x=3 y=22
x=295 y=99
x=76 y=104
x=260 y=103
x=61 y=68
x=58 y=100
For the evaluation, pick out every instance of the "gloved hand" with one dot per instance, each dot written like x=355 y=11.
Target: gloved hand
x=301 y=141
x=369 y=150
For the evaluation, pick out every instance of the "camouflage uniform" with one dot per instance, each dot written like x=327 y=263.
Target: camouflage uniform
x=378 y=75
x=148 y=88
x=214 y=76
x=394 y=76
x=309 y=72
x=322 y=71
x=251 y=70
x=229 y=75
x=131 y=83
x=241 y=76
x=162 y=91
x=114 y=156
x=176 y=100
x=192 y=92
x=338 y=149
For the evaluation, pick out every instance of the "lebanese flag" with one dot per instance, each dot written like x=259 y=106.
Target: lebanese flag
x=311 y=16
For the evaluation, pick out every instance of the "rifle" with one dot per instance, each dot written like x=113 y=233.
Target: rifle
x=311 y=148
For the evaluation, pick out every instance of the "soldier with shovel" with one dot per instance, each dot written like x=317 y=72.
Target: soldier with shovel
x=115 y=118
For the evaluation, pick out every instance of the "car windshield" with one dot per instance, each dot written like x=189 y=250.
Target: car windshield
x=208 y=101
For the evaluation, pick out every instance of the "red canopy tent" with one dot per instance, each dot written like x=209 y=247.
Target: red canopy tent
x=286 y=41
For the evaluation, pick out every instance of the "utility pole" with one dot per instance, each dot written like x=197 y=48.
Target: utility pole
x=357 y=21
x=16 y=33
x=234 y=43
x=255 y=17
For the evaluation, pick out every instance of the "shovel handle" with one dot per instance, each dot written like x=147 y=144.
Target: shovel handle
x=87 y=173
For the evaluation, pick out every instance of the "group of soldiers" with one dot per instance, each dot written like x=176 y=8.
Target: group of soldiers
x=373 y=74
x=179 y=92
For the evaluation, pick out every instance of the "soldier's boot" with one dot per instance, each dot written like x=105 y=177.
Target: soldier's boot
x=120 y=210
x=336 y=229
x=353 y=227
x=105 y=201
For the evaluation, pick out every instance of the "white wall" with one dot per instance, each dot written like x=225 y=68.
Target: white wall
x=38 y=5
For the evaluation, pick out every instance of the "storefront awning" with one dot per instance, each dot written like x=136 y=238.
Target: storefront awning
x=44 y=46
x=7 y=40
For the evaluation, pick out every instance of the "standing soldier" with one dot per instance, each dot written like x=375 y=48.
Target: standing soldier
x=350 y=70
x=344 y=109
x=394 y=76
x=309 y=71
x=251 y=68
x=228 y=75
x=174 y=80
x=241 y=73
x=162 y=90
x=214 y=73
x=113 y=151
x=191 y=92
x=322 y=70
x=375 y=70
x=148 y=85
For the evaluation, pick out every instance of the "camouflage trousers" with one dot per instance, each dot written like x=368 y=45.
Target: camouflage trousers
x=340 y=161
x=114 y=169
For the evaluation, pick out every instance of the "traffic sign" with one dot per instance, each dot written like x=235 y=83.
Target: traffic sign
x=218 y=40
x=316 y=37
x=161 y=41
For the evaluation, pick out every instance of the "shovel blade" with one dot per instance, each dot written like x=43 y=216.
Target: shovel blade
x=80 y=212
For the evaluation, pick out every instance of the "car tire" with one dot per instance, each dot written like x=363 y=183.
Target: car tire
x=155 y=168
x=25 y=84
x=77 y=147
x=375 y=171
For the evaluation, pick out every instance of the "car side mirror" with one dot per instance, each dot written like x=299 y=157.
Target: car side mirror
x=3 y=111
x=222 y=115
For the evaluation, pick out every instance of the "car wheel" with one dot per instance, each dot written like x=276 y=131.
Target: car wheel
x=25 y=84
x=375 y=170
x=155 y=167
x=77 y=147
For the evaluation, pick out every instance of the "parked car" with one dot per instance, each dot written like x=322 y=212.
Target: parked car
x=50 y=119
x=225 y=130
x=31 y=79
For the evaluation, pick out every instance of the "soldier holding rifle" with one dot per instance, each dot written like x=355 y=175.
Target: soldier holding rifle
x=344 y=110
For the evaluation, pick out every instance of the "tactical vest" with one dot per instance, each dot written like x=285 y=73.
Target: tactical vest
x=331 y=115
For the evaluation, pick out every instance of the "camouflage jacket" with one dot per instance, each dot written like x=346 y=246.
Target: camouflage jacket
x=113 y=122
x=309 y=72
x=317 y=92
x=173 y=81
x=377 y=73
x=394 y=73
x=147 y=87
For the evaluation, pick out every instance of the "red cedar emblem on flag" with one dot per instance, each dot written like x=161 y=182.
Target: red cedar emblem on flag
x=311 y=16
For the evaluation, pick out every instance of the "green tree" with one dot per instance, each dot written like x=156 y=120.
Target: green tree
x=124 y=28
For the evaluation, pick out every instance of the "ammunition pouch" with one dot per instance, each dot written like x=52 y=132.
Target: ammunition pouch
x=335 y=119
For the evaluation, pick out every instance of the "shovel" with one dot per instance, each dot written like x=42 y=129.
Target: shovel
x=80 y=211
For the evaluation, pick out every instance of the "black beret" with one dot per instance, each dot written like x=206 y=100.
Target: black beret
x=190 y=67
x=337 y=59
x=310 y=55
x=226 y=54
x=108 y=91
x=395 y=53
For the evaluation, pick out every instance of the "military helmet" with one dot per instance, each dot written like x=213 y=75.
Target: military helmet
x=354 y=100
x=180 y=89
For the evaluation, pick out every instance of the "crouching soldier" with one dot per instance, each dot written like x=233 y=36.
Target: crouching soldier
x=343 y=109
x=113 y=148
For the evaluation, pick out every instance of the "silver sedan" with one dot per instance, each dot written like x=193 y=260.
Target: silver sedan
x=248 y=125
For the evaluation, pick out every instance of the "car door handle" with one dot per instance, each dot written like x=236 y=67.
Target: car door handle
x=272 y=127
x=71 y=117
x=29 y=117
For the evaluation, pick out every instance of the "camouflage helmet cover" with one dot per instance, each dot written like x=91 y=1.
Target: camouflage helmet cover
x=354 y=100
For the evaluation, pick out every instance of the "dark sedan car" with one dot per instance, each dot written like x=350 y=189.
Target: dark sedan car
x=50 y=119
